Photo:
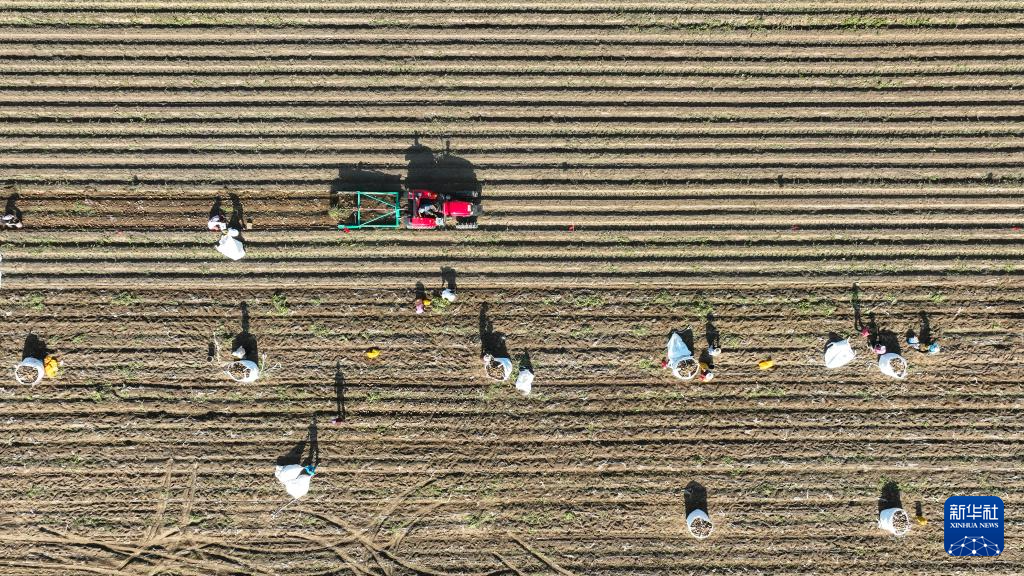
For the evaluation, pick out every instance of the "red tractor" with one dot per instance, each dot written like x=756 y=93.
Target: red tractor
x=442 y=187
x=429 y=210
x=443 y=190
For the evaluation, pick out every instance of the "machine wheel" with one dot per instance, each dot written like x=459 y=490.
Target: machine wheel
x=466 y=224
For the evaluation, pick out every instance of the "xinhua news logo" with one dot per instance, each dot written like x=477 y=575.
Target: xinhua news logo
x=973 y=526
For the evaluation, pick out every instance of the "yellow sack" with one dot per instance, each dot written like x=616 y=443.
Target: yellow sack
x=50 y=366
x=766 y=364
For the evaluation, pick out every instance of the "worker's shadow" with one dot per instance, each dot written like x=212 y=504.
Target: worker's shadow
x=339 y=392
x=713 y=338
x=491 y=342
x=448 y=278
x=294 y=455
x=890 y=340
x=695 y=497
x=890 y=496
x=237 y=220
x=245 y=339
x=444 y=173
x=882 y=336
x=35 y=347
x=711 y=332
x=924 y=334
x=218 y=208
x=858 y=322
x=525 y=363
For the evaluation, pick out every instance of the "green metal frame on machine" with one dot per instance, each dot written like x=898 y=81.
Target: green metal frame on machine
x=384 y=204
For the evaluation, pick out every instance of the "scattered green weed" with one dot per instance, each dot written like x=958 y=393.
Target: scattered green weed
x=124 y=299
x=280 y=303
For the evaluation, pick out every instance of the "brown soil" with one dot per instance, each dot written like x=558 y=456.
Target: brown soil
x=657 y=133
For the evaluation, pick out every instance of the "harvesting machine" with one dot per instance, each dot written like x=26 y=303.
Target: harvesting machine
x=441 y=191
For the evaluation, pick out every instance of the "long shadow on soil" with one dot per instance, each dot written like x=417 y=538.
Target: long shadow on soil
x=882 y=336
x=35 y=347
x=711 y=332
x=924 y=333
x=444 y=173
x=448 y=278
x=218 y=208
x=339 y=392
x=313 y=458
x=890 y=496
x=294 y=454
x=237 y=220
x=245 y=339
x=858 y=323
x=491 y=342
x=713 y=338
x=696 y=497
x=524 y=361
x=358 y=179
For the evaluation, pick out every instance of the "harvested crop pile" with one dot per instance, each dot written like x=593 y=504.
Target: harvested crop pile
x=900 y=523
x=898 y=365
x=238 y=371
x=27 y=374
x=700 y=528
x=494 y=369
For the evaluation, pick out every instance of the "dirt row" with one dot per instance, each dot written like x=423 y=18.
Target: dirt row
x=482 y=69
x=356 y=97
x=539 y=113
x=71 y=49
x=907 y=128
x=500 y=18
x=699 y=39
x=557 y=6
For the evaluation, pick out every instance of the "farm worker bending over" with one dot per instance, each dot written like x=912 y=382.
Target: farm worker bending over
x=218 y=221
x=448 y=282
x=242 y=369
x=295 y=478
x=922 y=341
x=928 y=348
x=12 y=215
x=230 y=243
x=497 y=368
x=679 y=358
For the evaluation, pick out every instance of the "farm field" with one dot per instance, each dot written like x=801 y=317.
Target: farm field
x=644 y=165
